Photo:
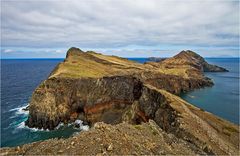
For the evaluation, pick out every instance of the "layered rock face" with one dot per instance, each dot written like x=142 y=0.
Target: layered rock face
x=95 y=87
x=87 y=84
x=65 y=99
x=110 y=99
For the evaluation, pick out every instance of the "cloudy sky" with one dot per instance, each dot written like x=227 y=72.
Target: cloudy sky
x=128 y=28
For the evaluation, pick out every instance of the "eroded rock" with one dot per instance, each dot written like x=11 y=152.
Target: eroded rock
x=98 y=88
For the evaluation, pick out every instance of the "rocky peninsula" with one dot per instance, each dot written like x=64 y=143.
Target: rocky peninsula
x=132 y=108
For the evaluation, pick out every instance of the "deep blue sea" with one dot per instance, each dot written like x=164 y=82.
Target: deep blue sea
x=19 y=78
x=223 y=98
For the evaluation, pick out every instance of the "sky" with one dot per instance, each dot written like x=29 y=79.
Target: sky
x=127 y=28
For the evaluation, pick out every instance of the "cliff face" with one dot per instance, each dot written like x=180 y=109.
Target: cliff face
x=94 y=87
x=87 y=84
x=65 y=99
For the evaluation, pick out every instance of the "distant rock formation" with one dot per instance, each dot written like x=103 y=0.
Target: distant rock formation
x=191 y=58
x=156 y=59
x=93 y=87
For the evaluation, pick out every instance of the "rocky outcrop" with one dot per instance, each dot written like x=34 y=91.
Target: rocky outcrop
x=191 y=58
x=64 y=100
x=173 y=83
x=95 y=87
x=108 y=99
x=212 y=68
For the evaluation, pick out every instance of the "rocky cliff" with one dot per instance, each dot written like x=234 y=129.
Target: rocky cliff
x=95 y=87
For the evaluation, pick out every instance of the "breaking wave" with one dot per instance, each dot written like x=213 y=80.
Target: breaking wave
x=77 y=124
x=23 y=126
x=22 y=113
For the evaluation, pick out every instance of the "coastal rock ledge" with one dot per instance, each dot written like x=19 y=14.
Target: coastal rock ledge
x=97 y=88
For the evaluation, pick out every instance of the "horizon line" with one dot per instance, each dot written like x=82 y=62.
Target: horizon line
x=41 y=58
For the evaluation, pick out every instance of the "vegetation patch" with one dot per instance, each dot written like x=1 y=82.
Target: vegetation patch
x=154 y=131
x=139 y=127
x=230 y=129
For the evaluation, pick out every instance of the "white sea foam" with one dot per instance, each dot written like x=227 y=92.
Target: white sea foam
x=81 y=126
x=20 y=110
x=80 y=122
x=76 y=122
x=23 y=126
x=59 y=125
x=14 y=109
x=36 y=129
x=85 y=127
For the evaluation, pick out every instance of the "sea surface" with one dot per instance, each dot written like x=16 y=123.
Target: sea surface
x=223 y=98
x=19 y=78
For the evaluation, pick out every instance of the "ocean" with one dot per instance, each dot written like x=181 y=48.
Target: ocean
x=223 y=98
x=19 y=78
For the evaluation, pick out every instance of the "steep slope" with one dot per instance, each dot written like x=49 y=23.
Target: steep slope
x=95 y=87
x=203 y=128
x=103 y=139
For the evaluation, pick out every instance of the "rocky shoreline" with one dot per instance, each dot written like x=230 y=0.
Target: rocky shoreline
x=97 y=88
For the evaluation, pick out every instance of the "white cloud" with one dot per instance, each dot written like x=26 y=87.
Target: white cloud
x=59 y=51
x=8 y=50
x=119 y=23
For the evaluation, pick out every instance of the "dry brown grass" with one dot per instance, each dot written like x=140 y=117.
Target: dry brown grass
x=85 y=65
